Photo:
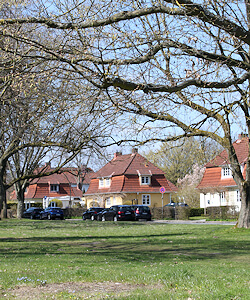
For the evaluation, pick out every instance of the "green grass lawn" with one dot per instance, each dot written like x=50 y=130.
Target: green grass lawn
x=122 y=260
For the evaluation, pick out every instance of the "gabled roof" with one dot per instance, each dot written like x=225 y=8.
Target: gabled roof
x=212 y=176
x=241 y=148
x=67 y=178
x=64 y=176
x=125 y=171
x=129 y=164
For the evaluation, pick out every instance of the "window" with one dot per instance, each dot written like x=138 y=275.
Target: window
x=54 y=187
x=145 y=180
x=107 y=182
x=101 y=183
x=238 y=198
x=104 y=182
x=108 y=202
x=226 y=172
x=222 y=197
x=146 y=200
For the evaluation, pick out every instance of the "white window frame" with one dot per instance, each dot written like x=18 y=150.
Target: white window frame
x=145 y=180
x=238 y=196
x=222 y=197
x=226 y=172
x=54 y=188
x=101 y=183
x=146 y=199
x=107 y=182
x=104 y=182
x=108 y=202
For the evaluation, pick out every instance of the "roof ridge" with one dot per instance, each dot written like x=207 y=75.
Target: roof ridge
x=132 y=155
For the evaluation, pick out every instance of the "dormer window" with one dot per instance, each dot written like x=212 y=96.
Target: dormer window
x=145 y=180
x=226 y=172
x=101 y=182
x=54 y=188
x=104 y=182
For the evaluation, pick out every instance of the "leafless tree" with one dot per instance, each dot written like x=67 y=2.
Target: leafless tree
x=174 y=68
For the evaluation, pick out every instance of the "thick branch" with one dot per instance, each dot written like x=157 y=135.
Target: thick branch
x=146 y=88
x=188 y=8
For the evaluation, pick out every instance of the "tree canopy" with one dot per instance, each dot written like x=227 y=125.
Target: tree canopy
x=165 y=69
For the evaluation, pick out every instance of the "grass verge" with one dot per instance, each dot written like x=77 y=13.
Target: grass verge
x=122 y=260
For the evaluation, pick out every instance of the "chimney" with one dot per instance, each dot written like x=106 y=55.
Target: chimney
x=116 y=154
x=134 y=150
x=242 y=135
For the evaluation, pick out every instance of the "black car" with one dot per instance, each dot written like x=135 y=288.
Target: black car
x=91 y=213
x=173 y=204
x=52 y=213
x=32 y=213
x=99 y=214
x=118 y=213
x=142 y=212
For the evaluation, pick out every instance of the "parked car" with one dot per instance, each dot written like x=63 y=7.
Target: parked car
x=99 y=214
x=182 y=204
x=91 y=213
x=52 y=213
x=142 y=212
x=118 y=213
x=32 y=213
x=173 y=204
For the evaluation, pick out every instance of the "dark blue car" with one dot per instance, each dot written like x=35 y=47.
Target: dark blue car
x=52 y=213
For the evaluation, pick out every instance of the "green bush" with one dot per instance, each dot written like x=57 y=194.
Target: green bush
x=57 y=201
x=222 y=212
x=195 y=212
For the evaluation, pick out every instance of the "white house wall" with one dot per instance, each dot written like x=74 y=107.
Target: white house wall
x=213 y=199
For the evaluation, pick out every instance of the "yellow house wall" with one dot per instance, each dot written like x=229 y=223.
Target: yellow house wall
x=132 y=198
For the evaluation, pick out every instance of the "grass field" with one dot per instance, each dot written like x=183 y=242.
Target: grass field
x=122 y=260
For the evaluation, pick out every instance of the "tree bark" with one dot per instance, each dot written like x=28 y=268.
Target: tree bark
x=243 y=221
x=2 y=196
x=20 y=202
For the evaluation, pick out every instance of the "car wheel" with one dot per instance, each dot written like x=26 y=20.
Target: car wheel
x=83 y=218
x=115 y=219
x=62 y=218
x=92 y=218
x=31 y=217
x=49 y=217
x=103 y=218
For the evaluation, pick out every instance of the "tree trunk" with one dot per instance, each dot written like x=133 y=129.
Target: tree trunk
x=244 y=216
x=2 y=195
x=20 y=203
x=5 y=211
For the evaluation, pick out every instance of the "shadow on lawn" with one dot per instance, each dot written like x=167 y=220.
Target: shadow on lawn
x=148 y=247
x=190 y=244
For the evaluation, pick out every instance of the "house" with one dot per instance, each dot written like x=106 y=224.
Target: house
x=217 y=187
x=129 y=179
x=68 y=186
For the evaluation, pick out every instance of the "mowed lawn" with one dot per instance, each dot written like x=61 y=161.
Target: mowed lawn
x=122 y=260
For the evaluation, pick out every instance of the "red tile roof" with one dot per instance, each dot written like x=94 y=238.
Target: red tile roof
x=39 y=187
x=212 y=175
x=241 y=149
x=125 y=171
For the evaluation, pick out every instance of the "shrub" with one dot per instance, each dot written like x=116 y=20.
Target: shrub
x=195 y=212
x=57 y=202
x=222 y=212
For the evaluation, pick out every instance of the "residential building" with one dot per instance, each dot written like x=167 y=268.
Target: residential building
x=129 y=179
x=217 y=187
x=68 y=185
